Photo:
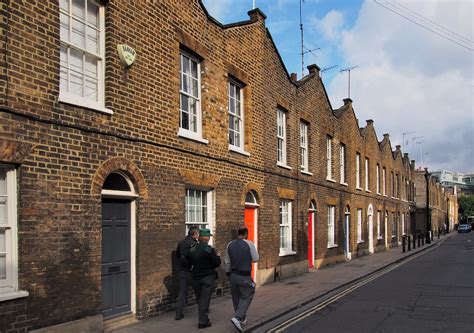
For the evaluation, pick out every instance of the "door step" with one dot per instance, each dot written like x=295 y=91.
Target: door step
x=119 y=322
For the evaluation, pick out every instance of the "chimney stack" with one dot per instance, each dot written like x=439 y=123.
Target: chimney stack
x=369 y=121
x=313 y=69
x=347 y=101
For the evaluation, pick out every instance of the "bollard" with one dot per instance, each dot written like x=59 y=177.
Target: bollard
x=422 y=240
x=419 y=240
x=403 y=243
x=439 y=231
x=414 y=241
x=409 y=243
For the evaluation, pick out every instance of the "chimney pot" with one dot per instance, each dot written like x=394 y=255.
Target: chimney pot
x=386 y=136
x=398 y=147
x=369 y=121
x=294 y=76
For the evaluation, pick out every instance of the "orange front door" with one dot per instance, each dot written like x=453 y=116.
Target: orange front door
x=249 y=220
x=310 y=240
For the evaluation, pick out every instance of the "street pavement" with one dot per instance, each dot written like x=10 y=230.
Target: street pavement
x=433 y=292
x=277 y=299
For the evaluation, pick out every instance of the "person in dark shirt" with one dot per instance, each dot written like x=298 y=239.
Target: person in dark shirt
x=239 y=256
x=204 y=260
x=184 y=269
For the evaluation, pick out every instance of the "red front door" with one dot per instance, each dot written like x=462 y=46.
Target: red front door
x=310 y=240
x=249 y=220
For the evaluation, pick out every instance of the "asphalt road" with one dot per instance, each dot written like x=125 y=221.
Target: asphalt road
x=433 y=292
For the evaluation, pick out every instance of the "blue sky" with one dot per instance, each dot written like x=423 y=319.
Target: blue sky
x=283 y=17
x=415 y=58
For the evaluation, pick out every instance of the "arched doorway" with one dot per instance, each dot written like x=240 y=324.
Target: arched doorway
x=250 y=220
x=311 y=235
x=118 y=246
x=370 y=214
x=347 y=233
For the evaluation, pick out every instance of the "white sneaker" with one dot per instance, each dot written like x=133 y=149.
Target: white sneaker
x=236 y=324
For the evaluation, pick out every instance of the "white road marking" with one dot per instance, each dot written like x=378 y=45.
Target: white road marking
x=279 y=328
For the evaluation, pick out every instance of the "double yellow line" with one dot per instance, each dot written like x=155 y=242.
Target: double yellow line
x=290 y=322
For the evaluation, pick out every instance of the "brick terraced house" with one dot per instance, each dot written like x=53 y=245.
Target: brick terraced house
x=104 y=166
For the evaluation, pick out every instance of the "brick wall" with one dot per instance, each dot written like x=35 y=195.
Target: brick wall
x=73 y=149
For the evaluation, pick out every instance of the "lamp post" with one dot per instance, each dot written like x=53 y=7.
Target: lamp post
x=428 y=219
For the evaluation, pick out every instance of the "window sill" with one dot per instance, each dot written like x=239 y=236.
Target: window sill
x=359 y=188
x=284 y=166
x=330 y=180
x=238 y=150
x=306 y=173
x=192 y=136
x=81 y=102
x=284 y=253
x=13 y=295
x=331 y=246
x=368 y=191
x=360 y=241
x=344 y=184
x=378 y=193
x=379 y=238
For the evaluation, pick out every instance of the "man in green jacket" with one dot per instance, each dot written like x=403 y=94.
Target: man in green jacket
x=204 y=260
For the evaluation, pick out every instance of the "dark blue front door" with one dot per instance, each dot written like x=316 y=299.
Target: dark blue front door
x=115 y=257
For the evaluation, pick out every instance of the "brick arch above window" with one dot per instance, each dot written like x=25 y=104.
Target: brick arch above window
x=252 y=187
x=119 y=164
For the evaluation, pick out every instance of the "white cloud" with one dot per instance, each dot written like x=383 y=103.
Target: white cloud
x=330 y=25
x=219 y=9
x=409 y=79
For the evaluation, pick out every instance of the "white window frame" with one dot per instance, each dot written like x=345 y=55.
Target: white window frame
x=377 y=171
x=304 y=154
x=359 y=226
x=71 y=98
x=358 y=175
x=392 y=182
x=329 y=158
x=379 y=229
x=287 y=223
x=184 y=132
x=342 y=162
x=281 y=138
x=331 y=226
x=384 y=181
x=210 y=211
x=9 y=285
x=237 y=99
x=397 y=186
x=367 y=176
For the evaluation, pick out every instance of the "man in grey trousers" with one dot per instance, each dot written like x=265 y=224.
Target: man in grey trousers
x=239 y=255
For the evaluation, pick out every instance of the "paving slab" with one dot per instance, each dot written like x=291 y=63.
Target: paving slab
x=276 y=298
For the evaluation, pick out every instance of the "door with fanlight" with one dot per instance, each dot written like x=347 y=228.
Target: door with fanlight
x=311 y=233
x=250 y=221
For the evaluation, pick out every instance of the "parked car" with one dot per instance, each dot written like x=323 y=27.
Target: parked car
x=464 y=228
